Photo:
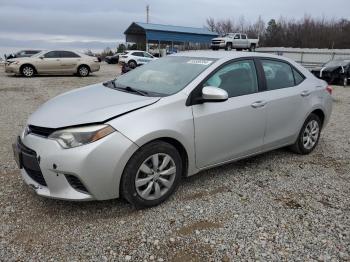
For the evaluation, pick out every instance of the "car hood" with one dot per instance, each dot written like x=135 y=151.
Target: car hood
x=218 y=38
x=91 y=104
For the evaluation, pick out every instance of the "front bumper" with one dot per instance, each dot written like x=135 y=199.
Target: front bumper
x=218 y=45
x=11 y=68
x=96 y=167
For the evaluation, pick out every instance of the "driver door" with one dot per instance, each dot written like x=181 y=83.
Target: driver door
x=49 y=63
x=234 y=128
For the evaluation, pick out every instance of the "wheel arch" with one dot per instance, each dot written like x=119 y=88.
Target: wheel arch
x=83 y=65
x=28 y=64
x=319 y=112
x=179 y=147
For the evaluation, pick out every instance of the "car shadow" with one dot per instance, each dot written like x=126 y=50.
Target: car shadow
x=120 y=208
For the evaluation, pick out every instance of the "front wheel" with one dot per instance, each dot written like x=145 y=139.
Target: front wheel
x=27 y=71
x=345 y=81
x=228 y=47
x=151 y=175
x=309 y=136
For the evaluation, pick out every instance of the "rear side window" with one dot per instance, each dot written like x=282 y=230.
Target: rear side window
x=298 y=77
x=244 y=36
x=237 y=78
x=278 y=74
x=138 y=54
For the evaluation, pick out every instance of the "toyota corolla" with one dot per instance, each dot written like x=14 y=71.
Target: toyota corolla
x=137 y=135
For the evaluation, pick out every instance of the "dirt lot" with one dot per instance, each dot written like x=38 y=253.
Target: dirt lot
x=276 y=206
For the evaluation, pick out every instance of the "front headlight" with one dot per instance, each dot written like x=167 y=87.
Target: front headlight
x=78 y=136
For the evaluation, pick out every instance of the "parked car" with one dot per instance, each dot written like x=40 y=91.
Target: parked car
x=334 y=72
x=53 y=62
x=236 y=41
x=126 y=68
x=136 y=58
x=138 y=135
x=22 y=53
x=114 y=59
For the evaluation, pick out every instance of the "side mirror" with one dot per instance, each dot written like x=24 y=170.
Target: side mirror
x=213 y=94
x=41 y=57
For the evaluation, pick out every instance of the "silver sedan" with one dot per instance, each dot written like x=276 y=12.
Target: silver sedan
x=138 y=135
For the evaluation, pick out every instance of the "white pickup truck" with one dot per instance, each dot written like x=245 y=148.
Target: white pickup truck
x=236 y=41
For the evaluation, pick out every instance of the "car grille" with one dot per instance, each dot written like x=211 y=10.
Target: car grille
x=76 y=183
x=216 y=41
x=40 y=131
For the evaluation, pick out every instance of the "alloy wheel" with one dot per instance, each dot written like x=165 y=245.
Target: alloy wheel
x=28 y=71
x=311 y=134
x=155 y=176
x=83 y=71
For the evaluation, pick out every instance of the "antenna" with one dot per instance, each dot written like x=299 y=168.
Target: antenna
x=147 y=14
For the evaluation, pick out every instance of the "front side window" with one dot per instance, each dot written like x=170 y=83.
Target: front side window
x=52 y=54
x=278 y=74
x=237 y=78
x=165 y=76
x=237 y=37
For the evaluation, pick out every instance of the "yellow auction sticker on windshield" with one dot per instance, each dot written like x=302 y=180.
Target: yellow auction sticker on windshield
x=199 y=62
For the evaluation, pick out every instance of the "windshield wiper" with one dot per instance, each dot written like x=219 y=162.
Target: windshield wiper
x=131 y=89
x=126 y=88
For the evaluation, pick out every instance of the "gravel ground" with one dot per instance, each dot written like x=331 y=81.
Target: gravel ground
x=276 y=206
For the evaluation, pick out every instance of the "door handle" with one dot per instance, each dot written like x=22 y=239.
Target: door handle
x=259 y=104
x=305 y=93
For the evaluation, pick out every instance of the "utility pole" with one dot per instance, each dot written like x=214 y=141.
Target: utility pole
x=147 y=14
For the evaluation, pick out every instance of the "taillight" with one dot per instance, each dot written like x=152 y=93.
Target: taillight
x=329 y=89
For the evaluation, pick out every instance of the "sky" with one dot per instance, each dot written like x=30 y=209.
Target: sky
x=96 y=24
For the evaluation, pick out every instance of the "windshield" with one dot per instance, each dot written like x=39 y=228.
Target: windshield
x=165 y=76
x=337 y=63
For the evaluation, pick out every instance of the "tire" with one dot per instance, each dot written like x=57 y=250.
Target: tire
x=345 y=81
x=140 y=179
x=252 y=48
x=310 y=132
x=27 y=70
x=228 y=47
x=83 y=71
x=132 y=64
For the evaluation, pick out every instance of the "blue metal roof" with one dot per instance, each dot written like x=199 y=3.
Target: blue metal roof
x=177 y=29
x=169 y=33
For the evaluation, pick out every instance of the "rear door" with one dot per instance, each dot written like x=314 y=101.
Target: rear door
x=288 y=99
x=69 y=61
x=244 y=41
x=234 y=128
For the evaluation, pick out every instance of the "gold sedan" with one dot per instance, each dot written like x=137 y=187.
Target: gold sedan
x=55 y=62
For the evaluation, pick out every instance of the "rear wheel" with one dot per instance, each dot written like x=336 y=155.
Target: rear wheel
x=309 y=136
x=132 y=64
x=252 y=48
x=151 y=175
x=83 y=71
x=27 y=70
